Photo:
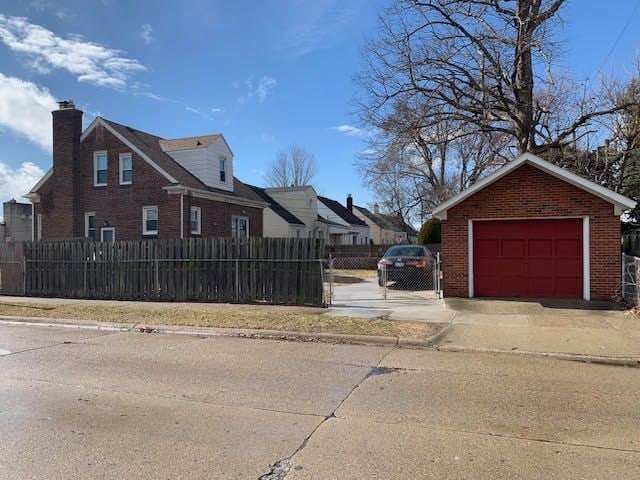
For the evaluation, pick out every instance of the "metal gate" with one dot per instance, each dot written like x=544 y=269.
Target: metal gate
x=359 y=280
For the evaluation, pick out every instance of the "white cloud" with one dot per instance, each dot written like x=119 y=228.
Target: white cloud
x=260 y=90
x=146 y=33
x=49 y=7
x=217 y=110
x=16 y=183
x=349 y=130
x=316 y=25
x=258 y=172
x=90 y=62
x=267 y=138
x=25 y=109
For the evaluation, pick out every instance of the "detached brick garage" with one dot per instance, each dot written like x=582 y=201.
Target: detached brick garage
x=532 y=230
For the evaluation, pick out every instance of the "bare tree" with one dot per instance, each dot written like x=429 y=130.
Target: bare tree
x=466 y=84
x=293 y=167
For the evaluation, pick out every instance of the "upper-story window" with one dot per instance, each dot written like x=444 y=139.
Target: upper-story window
x=223 y=169
x=100 y=164
x=126 y=169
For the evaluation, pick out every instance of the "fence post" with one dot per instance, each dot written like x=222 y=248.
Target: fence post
x=237 y=280
x=330 y=279
x=384 y=282
x=157 y=276
x=84 y=282
x=23 y=266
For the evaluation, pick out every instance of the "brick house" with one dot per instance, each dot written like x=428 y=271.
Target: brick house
x=532 y=229
x=115 y=182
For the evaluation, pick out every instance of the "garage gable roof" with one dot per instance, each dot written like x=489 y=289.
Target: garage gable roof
x=621 y=202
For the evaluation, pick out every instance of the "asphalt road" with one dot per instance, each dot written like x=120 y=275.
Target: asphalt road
x=85 y=404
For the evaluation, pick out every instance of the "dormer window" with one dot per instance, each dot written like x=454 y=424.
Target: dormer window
x=223 y=170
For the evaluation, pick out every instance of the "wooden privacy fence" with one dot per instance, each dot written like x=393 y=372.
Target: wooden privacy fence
x=256 y=270
x=631 y=244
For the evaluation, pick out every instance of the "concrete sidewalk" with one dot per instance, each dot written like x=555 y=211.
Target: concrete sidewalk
x=589 y=329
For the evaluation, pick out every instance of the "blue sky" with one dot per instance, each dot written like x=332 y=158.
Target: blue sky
x=267 y=74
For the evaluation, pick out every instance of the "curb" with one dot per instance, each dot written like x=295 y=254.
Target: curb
x=430 y=343
x=573 y=357
x=225 y=332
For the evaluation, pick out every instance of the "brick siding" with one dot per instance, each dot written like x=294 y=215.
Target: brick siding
x=528 y=192
x=120 y=206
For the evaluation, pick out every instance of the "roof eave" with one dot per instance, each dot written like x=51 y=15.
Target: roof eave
x=620 y=202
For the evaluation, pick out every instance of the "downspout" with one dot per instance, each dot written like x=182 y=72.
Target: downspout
x=33 y=221
x=181 y=216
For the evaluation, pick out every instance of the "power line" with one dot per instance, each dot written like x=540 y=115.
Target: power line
x=615 y=44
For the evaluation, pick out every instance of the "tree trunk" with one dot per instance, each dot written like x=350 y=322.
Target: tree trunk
x=523 y=71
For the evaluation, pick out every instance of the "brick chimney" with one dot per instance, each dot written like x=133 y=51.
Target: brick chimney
x=349 y=203
x=376 y=209
x=66 y=219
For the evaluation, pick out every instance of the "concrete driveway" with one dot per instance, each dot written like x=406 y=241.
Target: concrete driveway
x=596 y=329
x=88 y=405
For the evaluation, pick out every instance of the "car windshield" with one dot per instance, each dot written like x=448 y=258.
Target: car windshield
x=405 y=251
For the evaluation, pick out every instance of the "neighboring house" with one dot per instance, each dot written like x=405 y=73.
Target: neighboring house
x=277 y=221
x=532 y=229
x=345 y=228
x=385 y=229
x=302 y=202
x=17 y=222
x=115 y=182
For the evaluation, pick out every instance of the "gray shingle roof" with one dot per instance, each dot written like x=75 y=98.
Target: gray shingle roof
x=342 y=211
x=150 y=145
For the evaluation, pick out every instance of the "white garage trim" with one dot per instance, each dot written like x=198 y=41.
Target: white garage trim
x=470 y=237
x=586 y=250
x=586 y=265
x=620 y=202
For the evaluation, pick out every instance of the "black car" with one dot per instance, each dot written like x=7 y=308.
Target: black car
x=410 y=265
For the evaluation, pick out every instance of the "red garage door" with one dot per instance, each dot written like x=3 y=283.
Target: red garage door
x=528 y=258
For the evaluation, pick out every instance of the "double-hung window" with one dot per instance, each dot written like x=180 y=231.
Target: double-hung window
x=223 y=169
x=90 y=225
x=126 y=169
x=100 y=168
x=195 y=220
x=240 y=227
x=150 y=220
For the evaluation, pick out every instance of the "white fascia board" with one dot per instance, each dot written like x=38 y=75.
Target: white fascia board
x=208 y=195
x=620 y=201
x=40 y=183
x=100 y=121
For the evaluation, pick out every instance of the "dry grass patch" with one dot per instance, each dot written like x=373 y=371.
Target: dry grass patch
x=297 y=319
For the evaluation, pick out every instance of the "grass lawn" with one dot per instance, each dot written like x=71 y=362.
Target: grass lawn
x=299 y=319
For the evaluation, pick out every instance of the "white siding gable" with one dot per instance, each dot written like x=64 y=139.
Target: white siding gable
x=204 y=163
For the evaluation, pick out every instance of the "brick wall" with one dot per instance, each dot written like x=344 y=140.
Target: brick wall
x=217 y=216
x=527 y=192
x=120 y=206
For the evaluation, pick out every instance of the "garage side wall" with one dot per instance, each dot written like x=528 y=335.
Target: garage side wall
x=528 y=192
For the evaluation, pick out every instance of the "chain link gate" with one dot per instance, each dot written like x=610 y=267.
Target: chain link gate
x=350 y=280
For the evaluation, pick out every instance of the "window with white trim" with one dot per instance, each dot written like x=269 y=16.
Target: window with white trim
x=195 y=220
x=107 y=234
x=100 y=168
x=150 y=220
x=126 y=169
x=223 y=169
x=240 y=227
x=90 y=225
